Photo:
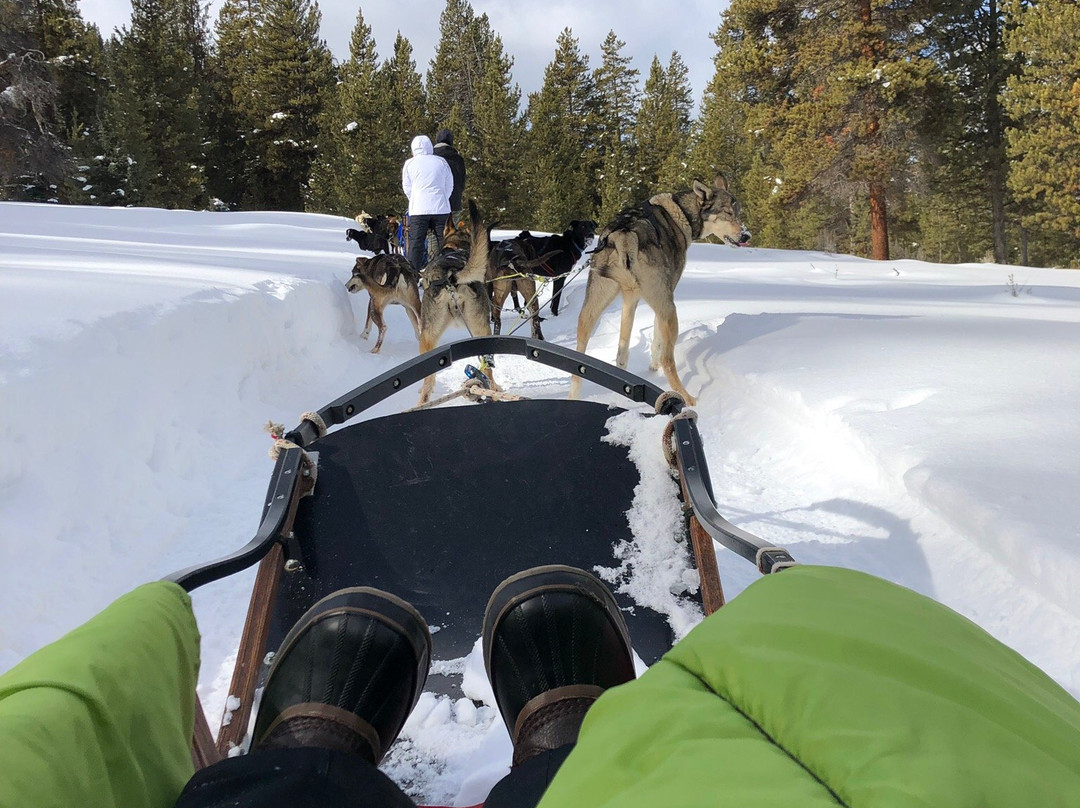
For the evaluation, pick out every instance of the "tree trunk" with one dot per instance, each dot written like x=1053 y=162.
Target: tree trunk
x=879 y=223
x=995 y=124
x=997 y=207
x=879 y=226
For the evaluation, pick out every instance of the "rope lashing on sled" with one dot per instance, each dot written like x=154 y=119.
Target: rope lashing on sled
x=474 y=390
x=277 y=432
x=668 y=441
x=666 y=400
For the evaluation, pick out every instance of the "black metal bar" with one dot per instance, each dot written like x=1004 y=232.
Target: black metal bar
x=691 y=456
x=695 y=474
x=416 y=370
x=284 y=484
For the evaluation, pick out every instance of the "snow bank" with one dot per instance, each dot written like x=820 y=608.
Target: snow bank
x=913 y=420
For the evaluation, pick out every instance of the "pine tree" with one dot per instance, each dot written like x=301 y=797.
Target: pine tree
x=459 y=66
x=154 y=128
x=33 y=161
x=1044 y=146
x=405 y=115
x=664 y=130
x=722 y=143
x=616 y=114
x=562 y=139
x=675 y=170
x=347 y=170
x=293 y=72
x=231 y=118
x=836 y=90
x=75 y=52
x=966 y=38
x=496 y=144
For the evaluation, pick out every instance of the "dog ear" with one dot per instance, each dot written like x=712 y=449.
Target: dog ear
x=720 y=182
x=474 y=218
x=703 y=191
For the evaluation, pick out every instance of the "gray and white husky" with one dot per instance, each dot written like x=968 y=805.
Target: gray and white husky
x=642 y=254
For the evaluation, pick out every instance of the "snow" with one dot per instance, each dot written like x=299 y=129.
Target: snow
x=914 y=420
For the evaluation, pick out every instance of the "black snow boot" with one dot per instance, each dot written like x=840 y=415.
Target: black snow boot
x=347 y=675
x=554 y=640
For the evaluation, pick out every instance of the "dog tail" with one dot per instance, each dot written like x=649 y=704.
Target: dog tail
x=475 y=270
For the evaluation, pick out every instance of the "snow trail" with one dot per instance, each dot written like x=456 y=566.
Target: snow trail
x=912 y=420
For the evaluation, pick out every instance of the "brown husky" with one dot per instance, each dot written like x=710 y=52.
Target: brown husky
x=454 y=288
x=642 y=254
x=388 y=279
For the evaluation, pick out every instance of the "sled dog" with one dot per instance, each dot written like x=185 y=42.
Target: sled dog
x=381 y=226
x=512 y=267
x=366 y=240
x=565 y=249
x=642 y=254
x=454 y=288
x=387 y=279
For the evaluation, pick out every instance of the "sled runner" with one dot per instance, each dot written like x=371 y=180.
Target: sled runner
x=439 y=505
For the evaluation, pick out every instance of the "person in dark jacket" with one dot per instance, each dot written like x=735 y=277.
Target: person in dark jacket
x=444 y=148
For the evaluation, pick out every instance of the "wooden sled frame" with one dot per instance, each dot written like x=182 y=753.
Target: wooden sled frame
x=293 y=478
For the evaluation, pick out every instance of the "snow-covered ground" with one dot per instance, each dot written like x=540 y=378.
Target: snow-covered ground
x=913 y=420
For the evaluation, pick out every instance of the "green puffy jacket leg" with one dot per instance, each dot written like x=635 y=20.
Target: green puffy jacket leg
x=103 y=717
x=822 y=686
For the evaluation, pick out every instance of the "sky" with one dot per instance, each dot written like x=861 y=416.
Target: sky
x=912 y=420
x=528 y=30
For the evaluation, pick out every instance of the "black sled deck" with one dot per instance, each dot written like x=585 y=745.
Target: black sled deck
x=438 y=506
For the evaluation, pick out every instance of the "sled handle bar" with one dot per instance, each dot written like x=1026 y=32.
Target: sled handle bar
x=416 y=370
x=285 y=483
x=692 y=463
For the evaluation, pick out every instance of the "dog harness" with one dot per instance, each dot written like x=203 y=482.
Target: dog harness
x=457 y=257
x=667 y=203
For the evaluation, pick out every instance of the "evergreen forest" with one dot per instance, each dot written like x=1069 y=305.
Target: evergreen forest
x=946 y=130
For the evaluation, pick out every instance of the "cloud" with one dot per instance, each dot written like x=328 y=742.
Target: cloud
x=528 y=30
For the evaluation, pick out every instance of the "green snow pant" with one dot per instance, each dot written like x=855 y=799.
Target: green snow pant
x=821 y=686
x=103 y=717
x=818 y=686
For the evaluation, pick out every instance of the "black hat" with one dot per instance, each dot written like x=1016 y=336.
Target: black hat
x=444 y=136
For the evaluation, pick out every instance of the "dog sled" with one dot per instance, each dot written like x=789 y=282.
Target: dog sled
x=438 y=505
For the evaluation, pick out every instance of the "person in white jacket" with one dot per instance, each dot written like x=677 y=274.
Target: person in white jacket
x=428 y=182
